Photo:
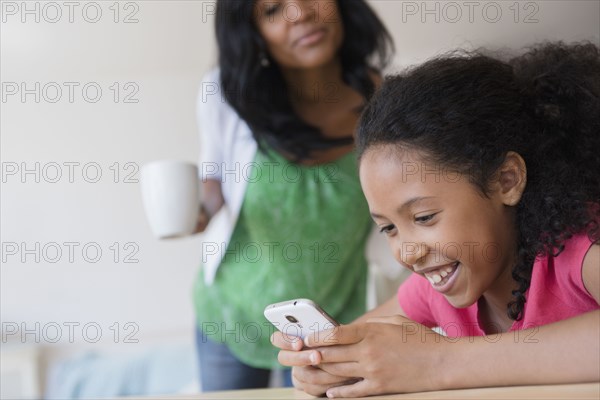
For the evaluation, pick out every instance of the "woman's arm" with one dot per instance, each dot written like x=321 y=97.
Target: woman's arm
x=212 y=196
x=211 y=202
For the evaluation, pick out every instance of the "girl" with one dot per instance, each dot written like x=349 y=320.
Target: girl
x=277 y=162
x=484 y=176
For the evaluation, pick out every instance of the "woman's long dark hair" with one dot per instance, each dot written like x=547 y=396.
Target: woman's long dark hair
x=259 y=94
x=467 y=111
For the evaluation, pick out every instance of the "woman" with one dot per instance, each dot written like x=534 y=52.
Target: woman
x=277 y=158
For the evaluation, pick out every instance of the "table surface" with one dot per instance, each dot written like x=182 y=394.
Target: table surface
x=577 y=391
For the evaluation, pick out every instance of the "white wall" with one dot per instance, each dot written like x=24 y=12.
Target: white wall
x=422 y=29
x=164 y=55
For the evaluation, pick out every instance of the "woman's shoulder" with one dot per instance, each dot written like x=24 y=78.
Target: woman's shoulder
x=211 y=101
x=212 y=75
x=210 y=91
x=219 y=124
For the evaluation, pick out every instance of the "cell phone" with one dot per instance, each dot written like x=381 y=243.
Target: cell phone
x=299 y=317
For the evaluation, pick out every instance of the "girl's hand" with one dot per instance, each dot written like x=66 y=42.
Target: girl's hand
x=390 y=354
x=316 y=381
x=305 y=376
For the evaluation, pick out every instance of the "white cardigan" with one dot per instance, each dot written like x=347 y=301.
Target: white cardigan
x=227 y=150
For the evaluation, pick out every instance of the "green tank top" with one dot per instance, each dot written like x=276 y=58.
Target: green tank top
x=301 y=233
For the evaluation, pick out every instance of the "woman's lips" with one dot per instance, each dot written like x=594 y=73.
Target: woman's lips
x=311 y=37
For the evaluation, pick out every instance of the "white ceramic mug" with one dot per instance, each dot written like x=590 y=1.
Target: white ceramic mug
x=171 y=197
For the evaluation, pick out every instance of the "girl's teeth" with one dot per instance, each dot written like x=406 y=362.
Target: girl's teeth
x=438 y=276
x=434 y=278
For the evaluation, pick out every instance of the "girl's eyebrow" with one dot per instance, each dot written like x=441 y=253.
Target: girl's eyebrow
x=406 y=204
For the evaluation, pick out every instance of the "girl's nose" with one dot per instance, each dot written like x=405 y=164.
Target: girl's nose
x=410 y=253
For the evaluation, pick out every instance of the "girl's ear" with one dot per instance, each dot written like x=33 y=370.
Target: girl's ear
x=512 y=178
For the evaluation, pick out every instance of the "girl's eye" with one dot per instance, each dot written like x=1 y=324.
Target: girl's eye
x=425 y=218
x=387 y=229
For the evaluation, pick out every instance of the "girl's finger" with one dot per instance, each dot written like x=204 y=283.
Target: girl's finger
x=338 y=354
x=299 y=358
x=344 y=334
x=358 y=389
x=286 y=342
x=317 y=376
x=343 y=369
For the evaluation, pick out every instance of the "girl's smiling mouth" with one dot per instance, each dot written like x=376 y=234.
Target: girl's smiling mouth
x=442 y=278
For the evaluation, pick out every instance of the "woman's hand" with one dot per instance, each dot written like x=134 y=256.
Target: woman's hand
x=212 y=201
x=203 y=220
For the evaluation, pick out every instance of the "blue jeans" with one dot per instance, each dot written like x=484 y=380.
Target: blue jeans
x=221 y=370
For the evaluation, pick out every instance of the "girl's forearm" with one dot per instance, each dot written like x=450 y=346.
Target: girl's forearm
x=389 y=308
x=567 y=351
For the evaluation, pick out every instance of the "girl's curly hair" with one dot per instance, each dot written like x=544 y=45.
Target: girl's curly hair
x=466 y=111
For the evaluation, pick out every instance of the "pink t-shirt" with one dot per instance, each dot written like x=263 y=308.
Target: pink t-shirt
x=556 y=293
